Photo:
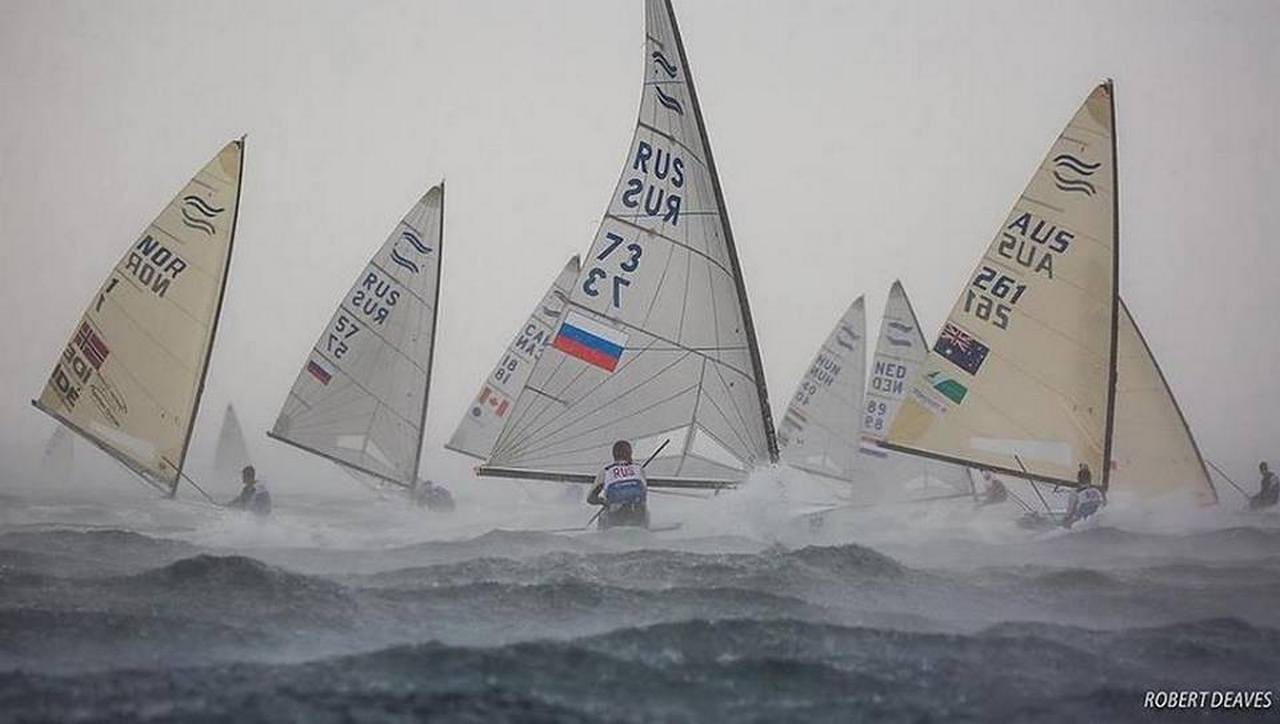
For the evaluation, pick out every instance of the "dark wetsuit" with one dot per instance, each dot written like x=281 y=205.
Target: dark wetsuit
x=253 y=498
x=1268 y=494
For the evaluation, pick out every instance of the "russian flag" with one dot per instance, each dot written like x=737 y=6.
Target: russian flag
x=321 y=374
x=590 y=341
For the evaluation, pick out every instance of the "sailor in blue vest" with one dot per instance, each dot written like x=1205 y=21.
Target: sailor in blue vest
x=1085 y=500
x=253 y=496
x=622 y=490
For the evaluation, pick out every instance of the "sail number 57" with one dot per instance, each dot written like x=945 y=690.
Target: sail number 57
x=628 y=264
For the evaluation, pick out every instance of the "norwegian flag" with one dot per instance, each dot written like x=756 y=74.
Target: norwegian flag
x=91 y=345
x=962 y=350
x=494 y=400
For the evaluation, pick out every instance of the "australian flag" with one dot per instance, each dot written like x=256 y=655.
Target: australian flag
x=958 y=348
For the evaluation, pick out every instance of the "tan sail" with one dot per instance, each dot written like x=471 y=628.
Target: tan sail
x=130 y=378
x=1154 y=452
x=1022 y=373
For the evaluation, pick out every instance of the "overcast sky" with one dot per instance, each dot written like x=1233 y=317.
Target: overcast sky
x=858 y=142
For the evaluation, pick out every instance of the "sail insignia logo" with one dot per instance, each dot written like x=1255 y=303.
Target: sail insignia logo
x=948 y=386
x=667 y=67
x=901 y=328
x=199 y=214
x=847 y=343
x=1071 y=174
x=411 y=237
x=668 y=101
x=550 y=311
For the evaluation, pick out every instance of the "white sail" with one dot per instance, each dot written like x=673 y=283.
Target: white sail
x=819 y=431
x=58 y=462
x=361 y=397
x=1023 y=372
x=131 y=377
x=232 y=452
x=1154 y=452
x=657 y=343
x=900 y=350
x=479 y=428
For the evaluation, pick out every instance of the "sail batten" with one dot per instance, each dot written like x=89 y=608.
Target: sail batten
x=360 y=399
x=131 y=378
x=1022 y=374
x=657 y=337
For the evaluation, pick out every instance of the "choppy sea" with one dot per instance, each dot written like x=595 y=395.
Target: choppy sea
x=370 y=610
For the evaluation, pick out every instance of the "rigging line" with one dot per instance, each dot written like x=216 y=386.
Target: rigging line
x=531 y=436
x=1034 y=487
x=1228 y=479
x=746 y=427
x=196 y=485
x=549 y=439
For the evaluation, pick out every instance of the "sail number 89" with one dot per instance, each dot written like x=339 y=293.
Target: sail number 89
x=618 y=280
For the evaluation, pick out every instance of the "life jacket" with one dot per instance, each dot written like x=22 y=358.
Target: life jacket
x=260 y=502
x=624 y=484
x=1088 y=501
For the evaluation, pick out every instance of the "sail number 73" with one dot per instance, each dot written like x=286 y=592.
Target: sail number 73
x=993 y=290
x=629 y=262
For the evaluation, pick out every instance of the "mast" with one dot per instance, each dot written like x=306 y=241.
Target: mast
x=431 y=353
x=217 y=314
x=1115 y=289
x=750 y=328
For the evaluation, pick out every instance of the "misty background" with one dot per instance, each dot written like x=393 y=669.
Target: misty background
x=857 y=143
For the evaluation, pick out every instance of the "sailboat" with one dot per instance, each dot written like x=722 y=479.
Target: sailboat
x=360 y=400
x=1022 y=380
x=819 y=430
x=478 y=429
x=657 y=345
x=900 y=350
x=232 y=452
x=131 y=377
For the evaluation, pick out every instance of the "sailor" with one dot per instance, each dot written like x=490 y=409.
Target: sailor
x=436 y=498
x=1268 y=489
x=254 y=496
x=994 y=492
x=622 y=491
x=1085 y=500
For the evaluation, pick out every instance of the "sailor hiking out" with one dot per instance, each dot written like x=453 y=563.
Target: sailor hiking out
x=1085 y=500
x=622 y=490
x=254 y=496
x=1268 y=489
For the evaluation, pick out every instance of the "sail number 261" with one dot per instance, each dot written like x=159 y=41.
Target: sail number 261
x=629 y=263
x=988 y=304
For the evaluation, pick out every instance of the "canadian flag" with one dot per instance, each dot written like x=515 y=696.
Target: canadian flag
x=494 y=400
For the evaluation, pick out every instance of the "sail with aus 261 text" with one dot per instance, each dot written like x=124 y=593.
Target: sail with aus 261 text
x=657 y=341
x=131 y=377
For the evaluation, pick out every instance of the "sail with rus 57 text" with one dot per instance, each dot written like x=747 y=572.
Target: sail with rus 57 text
x=479 y=428
x=1022 y=377
x=361 y=398
x=819 y=431
x=900 y=350
x=657 y=342
x=130 y=379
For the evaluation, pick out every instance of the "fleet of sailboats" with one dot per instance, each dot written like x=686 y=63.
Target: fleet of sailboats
x=1039 y=371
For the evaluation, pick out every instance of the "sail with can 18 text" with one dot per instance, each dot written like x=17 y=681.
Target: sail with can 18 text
x=657 y=342
x=900 y=350
x=131 y=378
x=819 y=431
x=478 y=430
x=361 y=398
x=1023 y=374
